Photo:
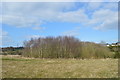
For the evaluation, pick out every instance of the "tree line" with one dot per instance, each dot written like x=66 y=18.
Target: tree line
x=11 y=50
x=64 y=47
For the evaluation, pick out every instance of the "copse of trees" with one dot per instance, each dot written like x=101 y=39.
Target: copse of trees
x=64 y=47
x=11 y=50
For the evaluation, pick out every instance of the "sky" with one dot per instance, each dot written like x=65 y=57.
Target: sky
x=87 y=21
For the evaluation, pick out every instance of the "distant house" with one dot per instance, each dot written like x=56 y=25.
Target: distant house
x=107 y=44
x=118 y=43
x=113 y=44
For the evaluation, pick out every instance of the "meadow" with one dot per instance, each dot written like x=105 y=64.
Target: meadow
x=21 y=67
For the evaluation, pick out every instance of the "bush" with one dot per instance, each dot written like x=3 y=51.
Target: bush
x=115 y=50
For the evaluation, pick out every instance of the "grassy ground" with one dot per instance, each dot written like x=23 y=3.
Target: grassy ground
x=17 y=67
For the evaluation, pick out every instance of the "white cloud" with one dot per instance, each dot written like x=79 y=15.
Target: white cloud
x=111 y=5
x=38 y=28
x=4 y=33
x=33 y=15
x=105 y=19
x=103 y=16
x=74 y=32
x=103 y=5
x=33 y=36
x=78 y=16
x=30 y=14
x=20 y=21
x=5 y=39
x=94 y=5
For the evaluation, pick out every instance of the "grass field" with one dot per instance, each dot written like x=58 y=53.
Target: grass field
x=18 y=67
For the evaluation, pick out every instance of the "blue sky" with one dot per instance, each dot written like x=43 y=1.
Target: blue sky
x=88 y=21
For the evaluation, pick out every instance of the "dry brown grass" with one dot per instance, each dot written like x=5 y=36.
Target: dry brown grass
x=17 y=67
